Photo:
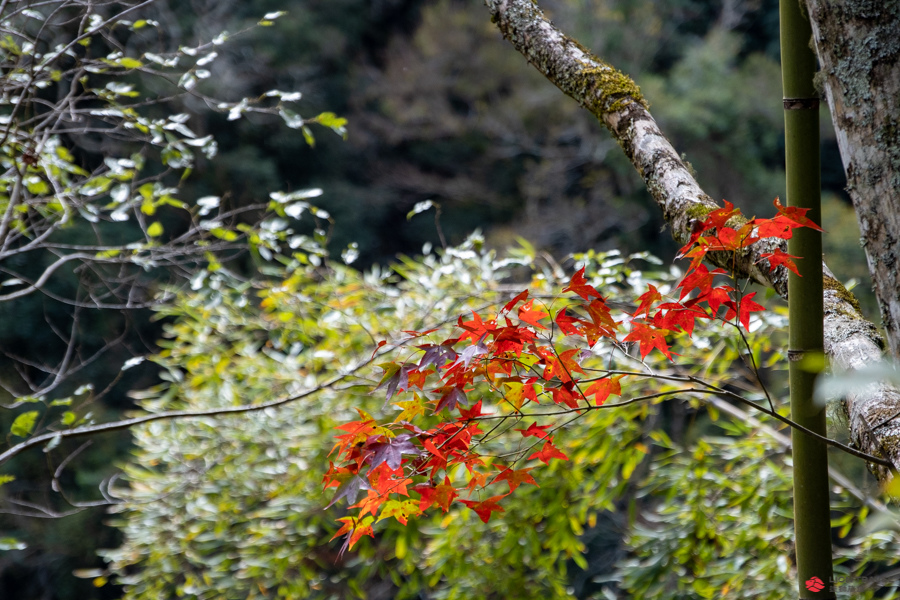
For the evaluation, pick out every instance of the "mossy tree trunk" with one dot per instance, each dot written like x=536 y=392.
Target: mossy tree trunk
x=858 y=43
x=812 y=519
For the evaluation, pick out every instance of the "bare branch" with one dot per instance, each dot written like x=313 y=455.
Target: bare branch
x=87 y=430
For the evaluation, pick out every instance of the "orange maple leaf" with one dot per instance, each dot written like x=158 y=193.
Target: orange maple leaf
x=356 y=528
x=604 y=388
x=532 y=315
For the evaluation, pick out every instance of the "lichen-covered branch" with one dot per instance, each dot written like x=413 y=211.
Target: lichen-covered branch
x=850 y=340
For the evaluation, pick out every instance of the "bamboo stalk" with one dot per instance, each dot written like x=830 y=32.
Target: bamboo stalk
x=812 y=520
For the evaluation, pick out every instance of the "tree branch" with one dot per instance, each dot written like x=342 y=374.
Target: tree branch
x=86 y=430
x=850 y=340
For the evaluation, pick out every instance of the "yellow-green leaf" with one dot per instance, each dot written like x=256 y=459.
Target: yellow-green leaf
x=224 y=234
x=24 y=423
x=155 y=229
x=308 y=136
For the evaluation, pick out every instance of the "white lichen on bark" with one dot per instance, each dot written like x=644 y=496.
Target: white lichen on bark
x=850 y=340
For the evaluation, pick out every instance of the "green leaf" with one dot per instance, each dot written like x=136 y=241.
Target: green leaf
x=6 y=479
x=155 y=229
x=68 y=418
x=24 y=423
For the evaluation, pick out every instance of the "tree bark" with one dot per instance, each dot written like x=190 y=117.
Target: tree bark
x=859 y=49
x=850 y=340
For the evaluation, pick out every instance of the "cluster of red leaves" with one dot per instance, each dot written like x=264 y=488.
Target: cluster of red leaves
x=522 y=359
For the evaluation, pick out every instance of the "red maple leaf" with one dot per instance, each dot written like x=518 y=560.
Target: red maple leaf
x=716 y=296
x=442 y=495
x=579 y=285
x=700 y=278
x=779 y=227
x=389 y=481
x=744 y=309
x=568 y=325
x=509 y=305
x=731 y=240
x=537 y=431
x=370 y=504
x=476 y=328
x=532 y=316
x=568 y=360
x=357 y=431
x=470 y=413
x=433 y=449
x=515 y=478
x=649 y=338
x=602 y=324
x=781 y=258
x=512 y=339
x=547 y=452
x=796 y=214
x=485 y=507
x=565 y=394
x=679 y=316
x=416 y=378
x=717 y=218
x=648 y=298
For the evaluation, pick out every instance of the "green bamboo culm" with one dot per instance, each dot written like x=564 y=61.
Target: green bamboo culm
x=812 y=520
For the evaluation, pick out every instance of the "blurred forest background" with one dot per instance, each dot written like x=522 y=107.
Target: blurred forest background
x=439 y=108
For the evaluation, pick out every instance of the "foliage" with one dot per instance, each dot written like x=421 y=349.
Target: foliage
x=478 y=137
x=231 y=507
x=93 y=220
x=564 y=350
